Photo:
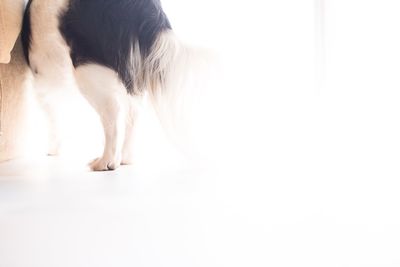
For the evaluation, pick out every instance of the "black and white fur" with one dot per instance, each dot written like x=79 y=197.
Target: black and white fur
x=114 y=50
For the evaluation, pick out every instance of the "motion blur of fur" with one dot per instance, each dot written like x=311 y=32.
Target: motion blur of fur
x=115 y=51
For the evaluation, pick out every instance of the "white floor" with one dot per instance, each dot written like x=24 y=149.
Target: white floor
x=54 y=213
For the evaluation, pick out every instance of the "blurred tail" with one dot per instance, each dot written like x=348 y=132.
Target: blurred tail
x=178 y=74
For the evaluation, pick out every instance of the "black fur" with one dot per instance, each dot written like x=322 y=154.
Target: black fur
x=105 y=32
x=26 y=31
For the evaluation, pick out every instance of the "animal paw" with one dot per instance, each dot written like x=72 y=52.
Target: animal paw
x=54 y=149
x=127 y=159
x=127 y=156
x=104 y=164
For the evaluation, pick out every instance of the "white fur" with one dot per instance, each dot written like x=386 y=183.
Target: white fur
x=176 y=73
x=52 y=66
x=49 y=56
x=117 y=110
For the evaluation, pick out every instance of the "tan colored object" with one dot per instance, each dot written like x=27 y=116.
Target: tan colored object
x=14 y=85
x=11 y=15
x=13 y=80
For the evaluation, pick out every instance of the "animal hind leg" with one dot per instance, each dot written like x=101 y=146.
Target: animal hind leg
x=52 y=99
x=130 y=131
x=108 y=96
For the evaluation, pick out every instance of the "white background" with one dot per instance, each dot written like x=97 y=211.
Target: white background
x=299 y=152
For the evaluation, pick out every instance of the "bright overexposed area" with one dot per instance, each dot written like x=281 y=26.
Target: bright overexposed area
x=291 y=155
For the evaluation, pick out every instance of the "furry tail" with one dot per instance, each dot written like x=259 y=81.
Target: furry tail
x=177 y=74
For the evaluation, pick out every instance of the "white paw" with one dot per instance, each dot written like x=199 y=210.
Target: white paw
x=127 y=154
x=127 y=162
x=127 y=159
x=104 y=164
x=54 y=149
